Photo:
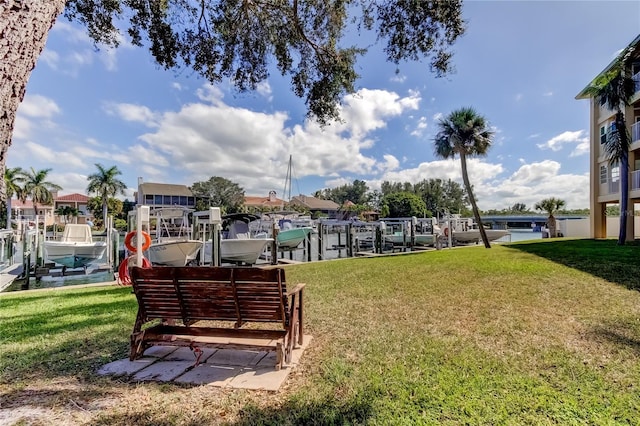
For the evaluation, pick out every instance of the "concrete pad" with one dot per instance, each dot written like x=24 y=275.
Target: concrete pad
x=159 y=351
x=215 y=375
x=267 y=378
x=233 y=368
x=125 y=367
x=163 y=371
x=236 y=357
x=186 y=354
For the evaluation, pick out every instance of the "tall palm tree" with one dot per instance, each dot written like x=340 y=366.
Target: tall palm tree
x=550 y=205
x=105 y=184
x=465 y=133
x=13 y=177
x=615 y=88
x=38 y=188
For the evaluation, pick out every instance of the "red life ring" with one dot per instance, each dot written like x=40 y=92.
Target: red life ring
x=446 y=232
x=123 y=271
x=131 y=247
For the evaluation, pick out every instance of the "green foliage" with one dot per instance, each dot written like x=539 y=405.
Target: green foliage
x=120 y=224
x=305 y=39
x=95 y=206
x=38 y=188
x=67 y=212
x=550 y=205
x=405 y=204
x=355 y=192
x=106 y=185
x=219 y=192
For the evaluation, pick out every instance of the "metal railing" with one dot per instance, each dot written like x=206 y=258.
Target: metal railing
x=634 y=182
x=614 y=187
x=635 y=132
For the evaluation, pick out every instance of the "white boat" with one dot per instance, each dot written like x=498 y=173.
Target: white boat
x=76 y=248
x=465 y=231
x=172 y=245
x=473 y=235
x=237 y=245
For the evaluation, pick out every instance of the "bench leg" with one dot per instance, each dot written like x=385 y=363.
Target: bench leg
x=137 y=345
x=279 y=355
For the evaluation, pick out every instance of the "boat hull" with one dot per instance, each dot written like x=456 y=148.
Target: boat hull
x=241 y=250
x=425 y=239
x=291 y=238
x=473 y=236
x=74 y=255
x=173 y=253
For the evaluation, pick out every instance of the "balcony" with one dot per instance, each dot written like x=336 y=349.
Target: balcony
x=635 y=132
x=614 y=187
x=634 y=182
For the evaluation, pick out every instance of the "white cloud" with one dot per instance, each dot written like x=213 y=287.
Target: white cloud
x=547 y=94
x=398 y=78
x=264 y=89
x=132 y=112
x=578 y=137
x=420 y=127
x=38 y=106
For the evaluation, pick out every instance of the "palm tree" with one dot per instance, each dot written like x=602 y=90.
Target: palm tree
x=105 y=184
x=464 y=132
x=38 y=188
x=550 y=205
x=67 y=212
x=13 y=177
x=615 y=88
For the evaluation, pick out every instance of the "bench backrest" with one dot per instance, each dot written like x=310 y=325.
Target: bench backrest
x=193 y=293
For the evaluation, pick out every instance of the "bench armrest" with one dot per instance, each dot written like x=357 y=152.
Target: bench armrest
x=297 y=289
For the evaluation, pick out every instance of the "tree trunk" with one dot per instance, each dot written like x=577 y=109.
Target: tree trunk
x=472 y=200
x=8 y=213
x=624 y=177
x=551 y=225
x=24 y=26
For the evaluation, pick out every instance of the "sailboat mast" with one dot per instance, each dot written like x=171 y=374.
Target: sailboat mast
x=287 y=182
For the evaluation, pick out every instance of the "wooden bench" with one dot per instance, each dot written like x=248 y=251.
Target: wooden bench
x=182 y=298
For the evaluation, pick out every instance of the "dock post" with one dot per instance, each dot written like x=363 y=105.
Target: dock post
x=274 y=245
x=320 y=240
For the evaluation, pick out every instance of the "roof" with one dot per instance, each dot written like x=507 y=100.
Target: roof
x=76 y=198
x=262 y=202
x=583 y=94
x=164 y=189
x=313 y=203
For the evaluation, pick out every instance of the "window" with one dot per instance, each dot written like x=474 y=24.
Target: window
x=615 y=173
x=603 y=134
x=603 y=174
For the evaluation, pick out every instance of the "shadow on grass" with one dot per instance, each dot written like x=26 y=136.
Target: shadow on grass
x=601 y=258
x=329 y=411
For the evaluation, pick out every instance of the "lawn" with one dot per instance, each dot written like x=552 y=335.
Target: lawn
x=527 y=333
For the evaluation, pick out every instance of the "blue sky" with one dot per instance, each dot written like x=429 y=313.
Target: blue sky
x=520 y=64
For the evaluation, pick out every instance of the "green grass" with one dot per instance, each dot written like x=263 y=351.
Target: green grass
x=528 y=333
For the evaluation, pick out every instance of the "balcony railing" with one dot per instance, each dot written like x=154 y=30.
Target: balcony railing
x=614 y=187
x=635 y=132
x=634 y=183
